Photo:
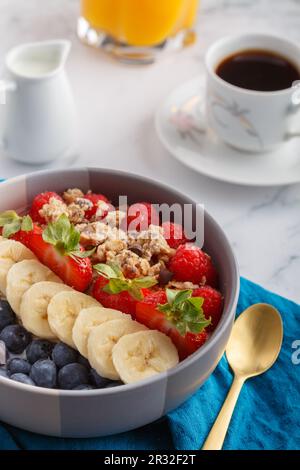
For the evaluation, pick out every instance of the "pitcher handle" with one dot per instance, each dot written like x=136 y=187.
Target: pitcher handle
x=5 y=86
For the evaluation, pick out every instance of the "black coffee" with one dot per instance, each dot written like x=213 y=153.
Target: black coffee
x=258 y=70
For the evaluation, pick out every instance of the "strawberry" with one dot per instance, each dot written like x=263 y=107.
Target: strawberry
x=37 y=204
x=140 y=215
x=212 y=305
x=178 y=315
x=122 y=301
x=94 y=198
x=56 y=247
x=113 y=290
x=192 y=264
x=174 y=234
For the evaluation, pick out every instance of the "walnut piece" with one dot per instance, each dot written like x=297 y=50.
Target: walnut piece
x=71 y=195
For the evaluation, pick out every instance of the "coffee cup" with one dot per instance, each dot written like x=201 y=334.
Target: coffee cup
x=250 y=119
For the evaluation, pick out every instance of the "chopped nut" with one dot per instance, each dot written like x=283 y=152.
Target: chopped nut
x=83 y=203
x=75 y=213
x=152 y=243
x=182 y=285
x=52 y=211
x=109 y=249
x=131 y=264
x=96 y=233
x=72 y=194
x=115 y=218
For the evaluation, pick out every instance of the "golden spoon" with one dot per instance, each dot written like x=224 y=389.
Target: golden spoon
x=252 y=349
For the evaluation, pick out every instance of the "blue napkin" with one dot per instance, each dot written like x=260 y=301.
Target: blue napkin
x=267 y=415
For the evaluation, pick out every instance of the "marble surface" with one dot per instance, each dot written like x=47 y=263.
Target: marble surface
x=116 y=105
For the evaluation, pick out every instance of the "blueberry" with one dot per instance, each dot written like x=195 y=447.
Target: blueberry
x=43 y=373
x=62 y=355
x=16 y=338
x=24 y=379
x=3 y=354
x=39 y=349
x=7 y=316
x=72 y=375
x=97 y=380
x=84 y=387
x=114 y=384
x=82 y=360
x=18 y=366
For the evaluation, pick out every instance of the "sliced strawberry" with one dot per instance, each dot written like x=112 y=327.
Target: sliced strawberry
x=212 y=305
x=66 y=262
x=140 y=215
x=37 y=204
x=94 y=198
x=122 y=301
x=188 y=344
x=165 y=312
x=174 y=234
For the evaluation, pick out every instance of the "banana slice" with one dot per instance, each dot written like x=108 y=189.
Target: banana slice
x=22 y=276
x=34 y=305
x=101 y=341
x=89 y=318
x=140 y=355
x=63 y=310
x=11 y=252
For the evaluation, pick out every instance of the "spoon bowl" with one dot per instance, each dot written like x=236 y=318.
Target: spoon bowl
x=255 y=340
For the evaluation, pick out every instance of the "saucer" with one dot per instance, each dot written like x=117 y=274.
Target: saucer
x=181 y=128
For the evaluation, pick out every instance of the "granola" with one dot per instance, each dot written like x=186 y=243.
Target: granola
x=71 y=195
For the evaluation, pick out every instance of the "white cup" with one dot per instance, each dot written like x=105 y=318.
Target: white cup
x=255 y=121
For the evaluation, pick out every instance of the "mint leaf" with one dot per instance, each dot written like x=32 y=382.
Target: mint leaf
x=144 y=282
x=11 y=228
x=184 y=311
x=171 y=295
x=115 y=286
x=197 y=302
x=27 y=224
x=63 y=235
x=136 y=292
x=106 y=270
x=118 y=283
x=182 y=296
x=8 y=217
x=83 y=254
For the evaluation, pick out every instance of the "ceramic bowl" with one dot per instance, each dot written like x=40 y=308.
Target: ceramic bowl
x=108 y=411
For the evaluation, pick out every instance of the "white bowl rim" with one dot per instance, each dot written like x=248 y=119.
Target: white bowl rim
x=181 y=365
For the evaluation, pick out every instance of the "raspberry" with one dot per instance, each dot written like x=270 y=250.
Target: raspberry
x=94 y=198
x=212 y=305
x=174 y=234
x=192 y=264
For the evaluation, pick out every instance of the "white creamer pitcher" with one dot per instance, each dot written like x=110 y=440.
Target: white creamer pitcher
x=37 y=109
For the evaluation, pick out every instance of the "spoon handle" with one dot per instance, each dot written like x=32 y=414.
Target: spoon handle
x=215 y=439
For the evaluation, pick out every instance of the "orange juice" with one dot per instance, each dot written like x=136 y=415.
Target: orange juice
x=139 y=22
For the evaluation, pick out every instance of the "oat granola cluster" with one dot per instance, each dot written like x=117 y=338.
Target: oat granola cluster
x=138 y=254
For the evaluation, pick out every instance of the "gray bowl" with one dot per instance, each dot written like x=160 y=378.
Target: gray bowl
x=108 y=411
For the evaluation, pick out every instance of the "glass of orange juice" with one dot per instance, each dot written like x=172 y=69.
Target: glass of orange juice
x=137 y=30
